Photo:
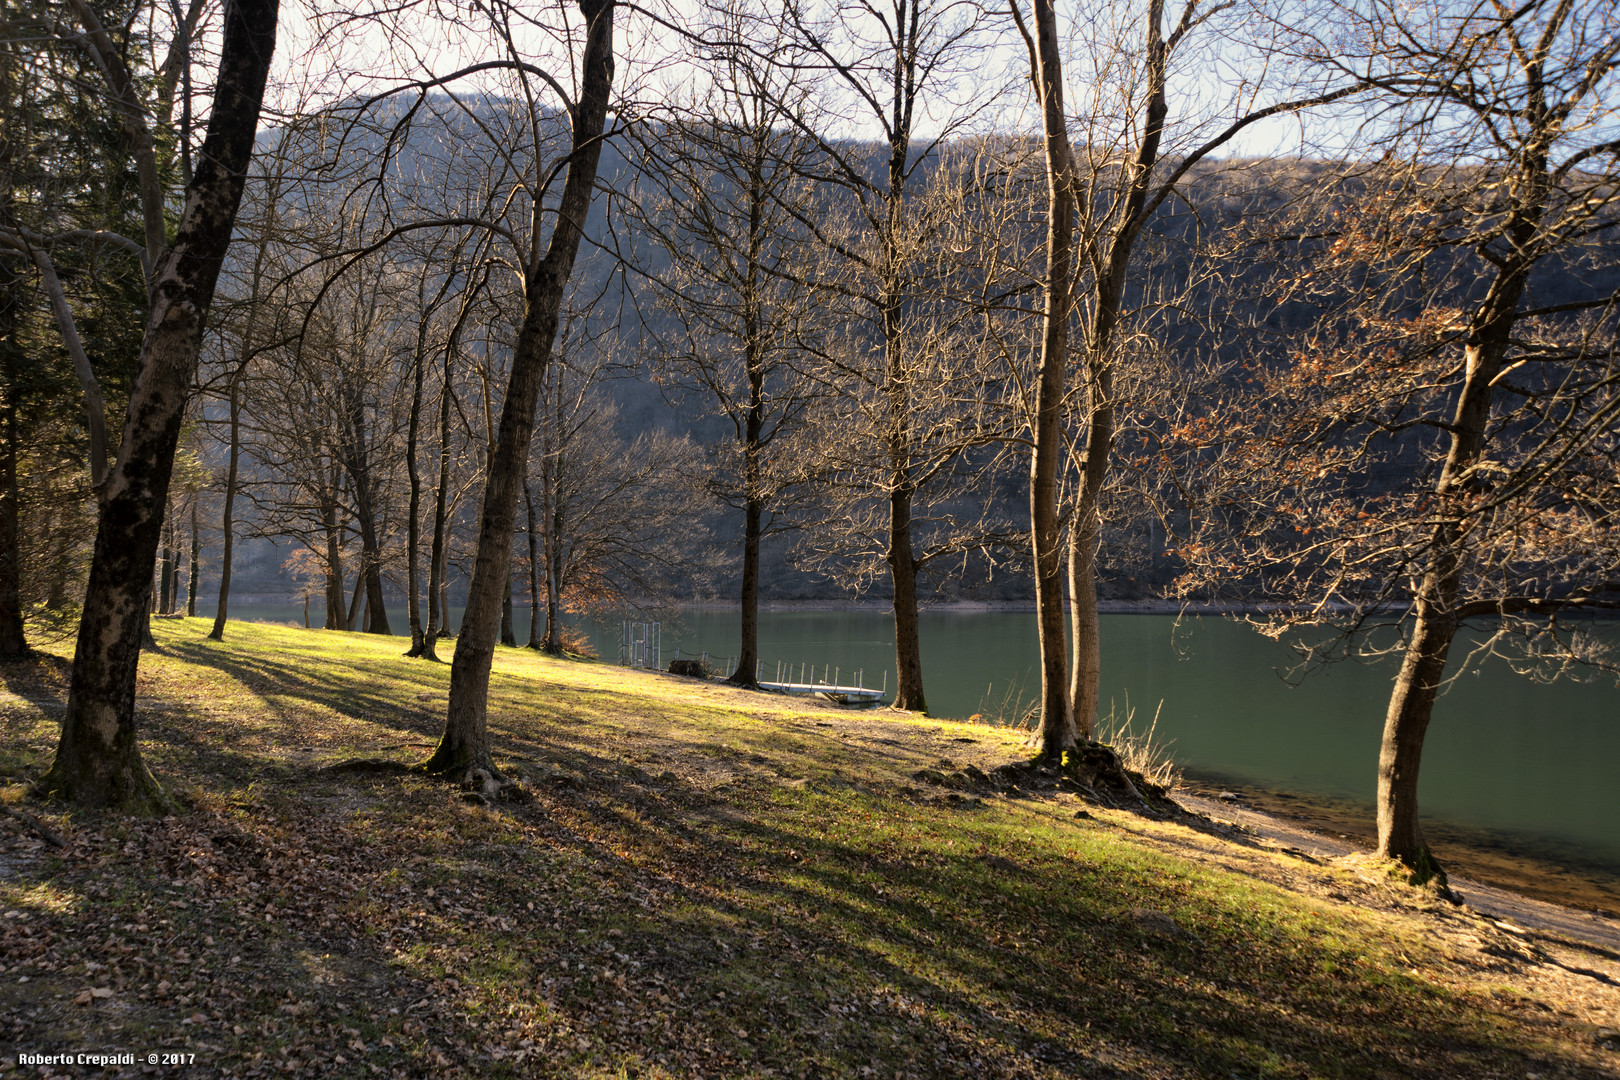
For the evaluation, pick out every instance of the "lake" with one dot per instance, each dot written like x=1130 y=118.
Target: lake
x=1503 y=752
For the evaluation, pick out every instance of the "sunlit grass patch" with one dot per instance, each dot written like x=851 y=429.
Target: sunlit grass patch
x=707 y=881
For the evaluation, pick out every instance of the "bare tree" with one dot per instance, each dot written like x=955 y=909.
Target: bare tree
x=719 y=179
x=891 y=68
x=463 y=752
x=1443 y=443
x=1107 y=192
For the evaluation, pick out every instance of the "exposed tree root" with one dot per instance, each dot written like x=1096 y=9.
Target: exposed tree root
x=483 y=784
x=50 y=835
x=1090 y=770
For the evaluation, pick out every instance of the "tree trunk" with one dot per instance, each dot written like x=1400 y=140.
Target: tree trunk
x=438 y=608
x=908 y=681
x=1457 y=490
x=227 y=518
x=748 y=654
x=357 y=460
x=98 y=761
x=534 y=569
x=1086 y=664
x=191 y=563
x=464 y=748
x=1401 y=750
x=508 y=631
x=413 y=539
x=13 y=642
x=336 y=618
x=166 y=580
x=1057 y=718
x=352 y=619
x=553 y=510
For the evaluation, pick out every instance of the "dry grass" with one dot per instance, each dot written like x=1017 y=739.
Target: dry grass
x=1140 y=752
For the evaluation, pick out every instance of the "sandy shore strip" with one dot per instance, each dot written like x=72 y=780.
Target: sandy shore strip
x=1592 y=927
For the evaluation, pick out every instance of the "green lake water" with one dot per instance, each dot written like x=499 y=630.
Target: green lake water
x=1503 y=752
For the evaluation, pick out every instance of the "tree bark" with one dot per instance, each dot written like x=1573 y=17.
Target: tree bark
x=508 y=631
x=464 y=747
x=336 y=613
x=748 y=654
x=753 y=499
x=908 y=681
x=352 y=618
x=98 y=761
x=227 y=518
x=413 y=531
x=13 y=641
x=166 y=580
x=552 y=509
x=192 y=561
x=438 y=609
x=534 y=569
x=1085 y=672
x=1057 y=718
x=357 y=460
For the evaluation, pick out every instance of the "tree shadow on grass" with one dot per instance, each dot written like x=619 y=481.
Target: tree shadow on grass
x=960 y=964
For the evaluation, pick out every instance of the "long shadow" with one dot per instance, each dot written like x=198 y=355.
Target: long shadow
x=1047 y=971
x=1166 y=990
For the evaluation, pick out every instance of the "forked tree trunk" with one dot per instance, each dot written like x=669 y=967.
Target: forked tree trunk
x=464 y=747
x=1057 y=718
x=98 y=762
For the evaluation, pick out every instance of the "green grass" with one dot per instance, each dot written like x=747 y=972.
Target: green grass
x=706 y=882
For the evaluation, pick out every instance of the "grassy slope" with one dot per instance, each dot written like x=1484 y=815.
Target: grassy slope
x=707 y=883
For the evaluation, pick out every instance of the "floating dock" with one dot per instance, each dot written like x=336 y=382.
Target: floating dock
x=828 y=684
x=865 y=695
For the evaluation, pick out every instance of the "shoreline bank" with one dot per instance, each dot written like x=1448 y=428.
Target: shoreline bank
x=1528 y=866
